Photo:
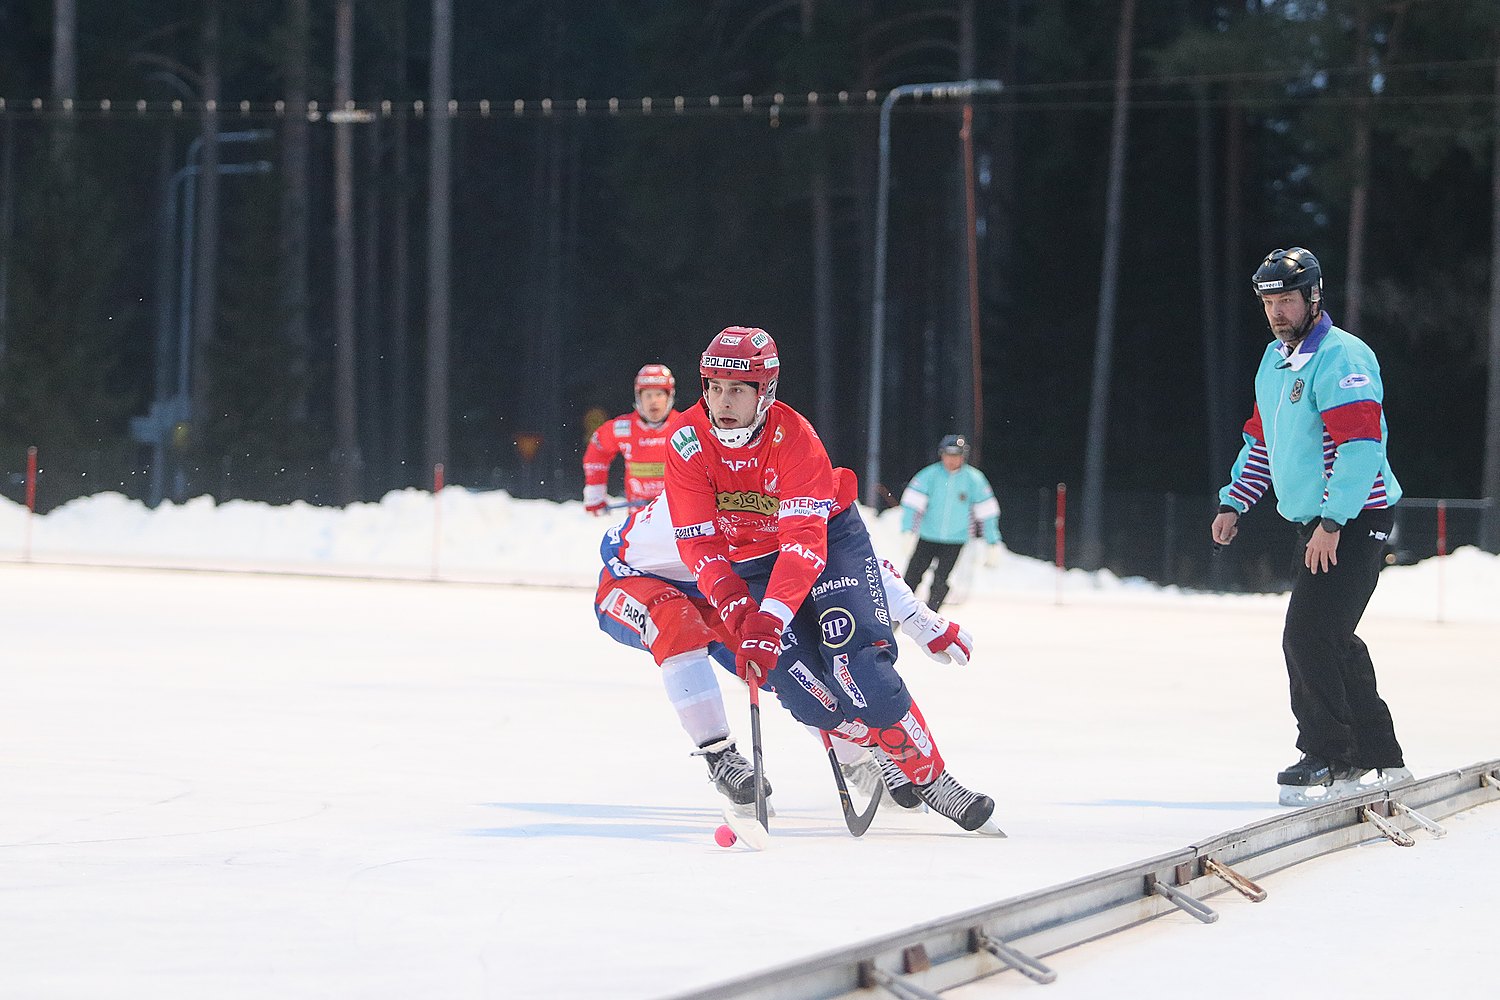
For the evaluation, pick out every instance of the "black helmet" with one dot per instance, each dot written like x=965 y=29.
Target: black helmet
x=954 y=444
x=1289 y=270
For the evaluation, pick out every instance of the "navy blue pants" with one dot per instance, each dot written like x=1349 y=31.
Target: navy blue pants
x=838 y=655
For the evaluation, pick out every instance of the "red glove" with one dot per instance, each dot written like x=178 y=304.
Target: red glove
x=731 y=599
x=760 y=645
x=597 y=509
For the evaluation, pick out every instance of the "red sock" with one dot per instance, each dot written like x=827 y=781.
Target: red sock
x=908 y=742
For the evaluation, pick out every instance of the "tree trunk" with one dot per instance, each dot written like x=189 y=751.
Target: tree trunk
x=439 y=193
x=206 y=259
x=64 y=76
x=1359 y=191
x=1237 y=269
x=398 y=320
x=827 y=410
x=967 y=332
x=1491 y=486
x=347 y=460
x=294 y=211
x=1210 y=309
x=1091 y=555
x=371 y=388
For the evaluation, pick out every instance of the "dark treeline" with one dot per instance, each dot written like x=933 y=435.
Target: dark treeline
x=586 y=243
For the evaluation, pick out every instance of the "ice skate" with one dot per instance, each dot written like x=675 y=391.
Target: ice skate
x=902 y=792
x=863 y=775
x=1313 y=780
x=968 y=809
x=1369 y=779
x=733 y=775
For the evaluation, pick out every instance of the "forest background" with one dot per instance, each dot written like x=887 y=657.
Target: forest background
x=240 y=255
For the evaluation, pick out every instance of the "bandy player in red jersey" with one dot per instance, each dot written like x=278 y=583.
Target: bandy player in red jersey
x=647 y=600
x=641 y=436
x=758 y=524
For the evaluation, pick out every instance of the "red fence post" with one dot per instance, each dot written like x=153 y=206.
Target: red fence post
x=31 y=479
x=437 y=516
x=30 y=500
x=1061 y=524
x=1442 y=550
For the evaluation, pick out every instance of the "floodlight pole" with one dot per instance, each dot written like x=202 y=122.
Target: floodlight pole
x=960 y=88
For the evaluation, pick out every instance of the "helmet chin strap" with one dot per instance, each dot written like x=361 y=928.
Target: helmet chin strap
x=739 y=437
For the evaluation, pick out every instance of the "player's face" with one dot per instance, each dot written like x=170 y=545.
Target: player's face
x=731 y=403
x=654 y=404
x=952 y=462
x=1286 y=312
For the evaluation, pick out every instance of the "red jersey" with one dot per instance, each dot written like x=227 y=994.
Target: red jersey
x=645 y=451
x=735 y=504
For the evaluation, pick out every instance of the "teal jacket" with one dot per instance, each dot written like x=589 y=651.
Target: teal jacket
x=943 y=506
x=1317 y=434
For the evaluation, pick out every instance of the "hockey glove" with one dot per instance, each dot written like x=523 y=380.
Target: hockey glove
x=944 y=641
x=594 y=500
x=731 y=599
x=760 y=645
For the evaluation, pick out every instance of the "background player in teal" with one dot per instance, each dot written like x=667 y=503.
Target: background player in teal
x=943 y=503
x=1318 y=435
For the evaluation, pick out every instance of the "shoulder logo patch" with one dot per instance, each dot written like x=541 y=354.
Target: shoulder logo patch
x=685 y=443
x=1354 y=381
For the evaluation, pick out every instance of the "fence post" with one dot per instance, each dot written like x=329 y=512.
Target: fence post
x=1060 y=524
x=30 y=500
x=1442 y=550
x=437 y=516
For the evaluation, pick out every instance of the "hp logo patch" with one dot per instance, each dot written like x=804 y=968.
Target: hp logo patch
x=838 y=627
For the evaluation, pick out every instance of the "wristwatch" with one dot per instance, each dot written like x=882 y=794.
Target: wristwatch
x=1331 y=526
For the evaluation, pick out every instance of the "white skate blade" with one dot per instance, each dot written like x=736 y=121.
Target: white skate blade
x=1300 y=796
x=748 y=809
x=1312 y=795
x=989 y=829
x=747 y=829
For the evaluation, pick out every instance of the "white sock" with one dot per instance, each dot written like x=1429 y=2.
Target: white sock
x=694 y=692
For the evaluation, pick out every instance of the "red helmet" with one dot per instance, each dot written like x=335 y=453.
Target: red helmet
x=655 y=377
x=744 y=354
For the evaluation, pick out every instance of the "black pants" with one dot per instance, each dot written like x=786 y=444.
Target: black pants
x=946 y=554
x=1340 y=715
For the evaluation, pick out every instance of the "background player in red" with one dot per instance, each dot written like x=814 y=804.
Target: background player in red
x=758 y=524
x=641 y=436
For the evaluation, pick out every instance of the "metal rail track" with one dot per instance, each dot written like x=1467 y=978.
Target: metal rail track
x=1017 y=933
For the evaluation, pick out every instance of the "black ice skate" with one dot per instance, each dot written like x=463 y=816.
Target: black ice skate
x=969 y=810
x=732 y=774
x=898 y=785
x=1313 y=780
x=1310 y=770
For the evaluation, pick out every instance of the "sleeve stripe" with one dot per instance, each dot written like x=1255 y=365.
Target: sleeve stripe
x=1353 y=421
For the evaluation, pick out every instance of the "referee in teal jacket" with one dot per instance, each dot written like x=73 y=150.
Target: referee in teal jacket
x=1317 y=436
x=944 y=503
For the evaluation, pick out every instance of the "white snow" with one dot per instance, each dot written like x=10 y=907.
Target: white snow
x=309 y=782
